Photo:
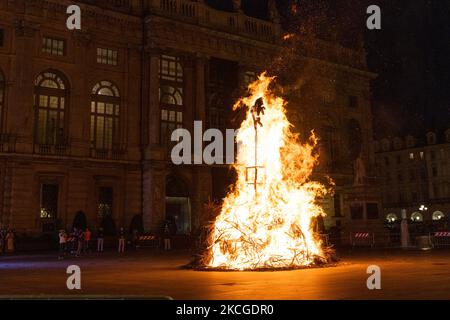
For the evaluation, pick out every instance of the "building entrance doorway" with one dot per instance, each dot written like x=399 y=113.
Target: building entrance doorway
x=178 y=207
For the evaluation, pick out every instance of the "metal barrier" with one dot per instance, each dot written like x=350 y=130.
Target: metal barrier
x=148 y=241
x=362 y=239
x=441 y=239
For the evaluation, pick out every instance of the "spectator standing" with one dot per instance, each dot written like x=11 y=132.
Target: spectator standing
x=62 y=244
x=100 y=238
x=79 y=241
x=10 y=241
x=73 y=239
x=2 y=240
x=167 y=244
x=121 y=248
x=87 y=239
x=135 y=238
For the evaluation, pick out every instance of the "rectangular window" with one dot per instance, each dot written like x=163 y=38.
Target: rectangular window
x=412 y=175
x=434 y=171
x=107 y=56
x=436 y=191
x=353 y=102
x=433 y=155
x=49 y=201
x=411 y=156
x=357 y=211
x=56 y=47
x=337 y=205
x=372 y=211
x=170 y=68
x=2 y=37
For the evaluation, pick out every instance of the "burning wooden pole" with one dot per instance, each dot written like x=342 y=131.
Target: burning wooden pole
x=257 y=111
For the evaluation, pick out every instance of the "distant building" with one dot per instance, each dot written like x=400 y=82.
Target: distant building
x=86 y=116
x=414 y=174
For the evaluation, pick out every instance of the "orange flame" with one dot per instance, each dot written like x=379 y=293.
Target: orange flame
x=268 y=226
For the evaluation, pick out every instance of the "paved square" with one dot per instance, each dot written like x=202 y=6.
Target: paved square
x=404 y=275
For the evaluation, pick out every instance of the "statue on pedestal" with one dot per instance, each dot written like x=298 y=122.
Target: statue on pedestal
x=237 y=5
x=272 y=9
x=359 y=171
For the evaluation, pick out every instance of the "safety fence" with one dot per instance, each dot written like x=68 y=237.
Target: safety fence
x=148 y=241
x=362 y=239
x=366 y=239
x=439 y=239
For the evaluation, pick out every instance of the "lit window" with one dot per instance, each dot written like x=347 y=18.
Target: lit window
x=170 y=96
x=53 y=46
x=51 y=97
x=421 y=155
x=105 y=111
x=49 y=201
x=170 y=68
x=411 y=156
x=107 y=56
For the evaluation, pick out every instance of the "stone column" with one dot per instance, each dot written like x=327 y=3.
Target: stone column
x=200 y=88
x=202 y=173
x=22 y=123
x=202 y=193
x=154 y=194
x=152 y=116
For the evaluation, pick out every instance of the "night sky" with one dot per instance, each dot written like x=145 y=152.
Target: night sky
x=411 y=54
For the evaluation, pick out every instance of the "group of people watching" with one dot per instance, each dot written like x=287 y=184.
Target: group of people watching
x=7 y=241
x=80 y=241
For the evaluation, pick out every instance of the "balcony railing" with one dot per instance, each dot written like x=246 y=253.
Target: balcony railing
x=52 y=149
x=120 y=5
x=8 y=142
x=117 y=153
x=231 y=22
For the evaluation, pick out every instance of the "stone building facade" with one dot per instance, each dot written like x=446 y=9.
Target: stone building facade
x=86 y=115
x=414 y=175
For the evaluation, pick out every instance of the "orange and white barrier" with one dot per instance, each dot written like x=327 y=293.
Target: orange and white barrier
x=441 y=239
x=362 y=239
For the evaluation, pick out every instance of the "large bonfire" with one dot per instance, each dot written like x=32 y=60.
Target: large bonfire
x=265 y=220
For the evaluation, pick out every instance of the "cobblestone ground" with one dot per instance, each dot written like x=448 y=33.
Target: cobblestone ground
x=404 y=275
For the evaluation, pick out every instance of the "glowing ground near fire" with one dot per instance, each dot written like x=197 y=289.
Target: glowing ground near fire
x=265 y=220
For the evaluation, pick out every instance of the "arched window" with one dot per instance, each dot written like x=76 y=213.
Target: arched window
x=51 y=102
x=171 y=80
x=2 y=97
x=105 y=111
